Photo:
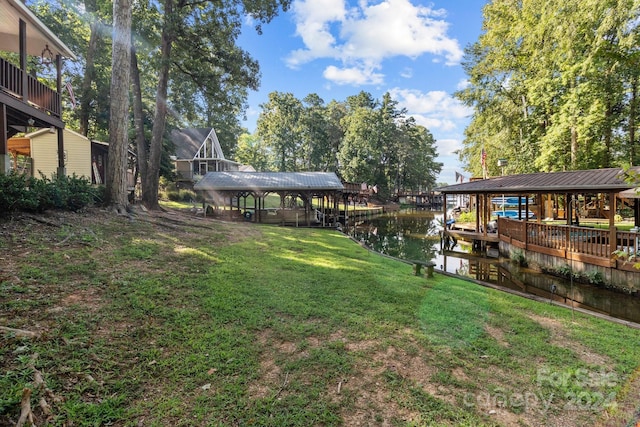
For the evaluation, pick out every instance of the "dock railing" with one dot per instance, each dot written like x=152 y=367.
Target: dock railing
x=572 y=242
x=628 y=243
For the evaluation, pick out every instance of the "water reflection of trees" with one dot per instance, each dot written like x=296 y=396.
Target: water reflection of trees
x=405 y=236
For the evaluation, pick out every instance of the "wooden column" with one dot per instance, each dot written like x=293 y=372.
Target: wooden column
x=444 y=210
x=5 y=160
x=62 y=171
x=485 y=219
x=308 y=202
x=478 y=212
x=613 y=241
x=23 y=60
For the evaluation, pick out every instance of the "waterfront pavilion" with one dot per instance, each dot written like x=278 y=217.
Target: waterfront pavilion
x=594 y=194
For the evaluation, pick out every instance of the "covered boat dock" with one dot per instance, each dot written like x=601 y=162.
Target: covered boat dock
x=220 y=189
x=550 y=207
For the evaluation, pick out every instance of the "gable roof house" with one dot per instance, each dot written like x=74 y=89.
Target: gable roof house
x=197 y=152
x=25 y=101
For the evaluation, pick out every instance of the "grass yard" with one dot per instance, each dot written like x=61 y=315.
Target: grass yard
x=167 y=319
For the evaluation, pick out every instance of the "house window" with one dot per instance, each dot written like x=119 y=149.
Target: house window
x=203 y=168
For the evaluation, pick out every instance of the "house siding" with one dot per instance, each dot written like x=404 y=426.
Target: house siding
x=44 y=150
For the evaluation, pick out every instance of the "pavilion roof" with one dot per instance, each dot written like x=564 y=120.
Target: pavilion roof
x=269 y=181
x=592 y=180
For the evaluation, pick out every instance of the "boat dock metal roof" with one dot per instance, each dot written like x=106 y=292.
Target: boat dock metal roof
x=593 y=180
x=269 y=181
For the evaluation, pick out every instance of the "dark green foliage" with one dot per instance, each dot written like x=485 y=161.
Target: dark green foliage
x=181 y=195
x=172 y=191
x=22 y=193
x=592 y=277
x=519 y=258
x=15 y=194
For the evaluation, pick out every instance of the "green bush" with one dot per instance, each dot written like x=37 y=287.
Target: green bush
x=519 y=257
x=594 y=277
x=181 y=195
x=15 y=194
x=173 y=191
x=563 y=270
x=467 y=217
x=22 y=193
x=77 y=192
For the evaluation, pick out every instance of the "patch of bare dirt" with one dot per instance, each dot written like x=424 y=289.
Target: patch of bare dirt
x=373 y=403
x=560 y=338
x=497 y=334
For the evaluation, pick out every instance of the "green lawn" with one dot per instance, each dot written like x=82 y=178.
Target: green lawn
x=175 y=320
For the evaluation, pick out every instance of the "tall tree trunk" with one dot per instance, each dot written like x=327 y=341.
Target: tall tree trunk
x=574 y=147
x=119 y=110
x=608 y=133
x=152 y=177
x=89 y=75
x=138 y=119
x=633 y=107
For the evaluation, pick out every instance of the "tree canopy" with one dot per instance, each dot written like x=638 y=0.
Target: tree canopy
x=187 y=71
x=553 y=85
x=362 y=139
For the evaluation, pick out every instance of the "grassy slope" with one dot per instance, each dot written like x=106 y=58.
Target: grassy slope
x=169 y=320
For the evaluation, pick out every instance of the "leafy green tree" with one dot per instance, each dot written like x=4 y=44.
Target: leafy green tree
x=335 y=113
x=198 y=58
x=417 y=168
x=188 y=70
x=358 y=156
x=85 y=28
x=362 y=139
x=252 y=151
x=279 y=126
x=552 y=85
x=314 y=129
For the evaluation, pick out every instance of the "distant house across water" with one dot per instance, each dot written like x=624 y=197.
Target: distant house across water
x=197 y=152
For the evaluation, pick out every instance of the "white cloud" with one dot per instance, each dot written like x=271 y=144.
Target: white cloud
x=365 y=35
x=313 y=24
x=352 y=75
x=438 y=104
x=407 y=73
x=432 y=123
x=437 y=111
x=463 y=84
x=448 y=147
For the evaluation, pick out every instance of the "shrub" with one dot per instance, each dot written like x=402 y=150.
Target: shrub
x=19 y=192
x=467 y=217
x=594 y=277
x=15 y=194
x=519 y=258
x=78 y=192
x=563 y=270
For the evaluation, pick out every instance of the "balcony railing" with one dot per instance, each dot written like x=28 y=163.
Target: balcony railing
x=39 y=95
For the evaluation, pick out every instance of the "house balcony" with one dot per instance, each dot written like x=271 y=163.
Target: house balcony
x=33 y=93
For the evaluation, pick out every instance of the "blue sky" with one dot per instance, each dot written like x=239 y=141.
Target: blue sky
x=337 y=48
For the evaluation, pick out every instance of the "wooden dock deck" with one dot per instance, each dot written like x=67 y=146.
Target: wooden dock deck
x=470 y=236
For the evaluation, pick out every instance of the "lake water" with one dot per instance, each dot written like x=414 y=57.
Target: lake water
x=414 y=235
